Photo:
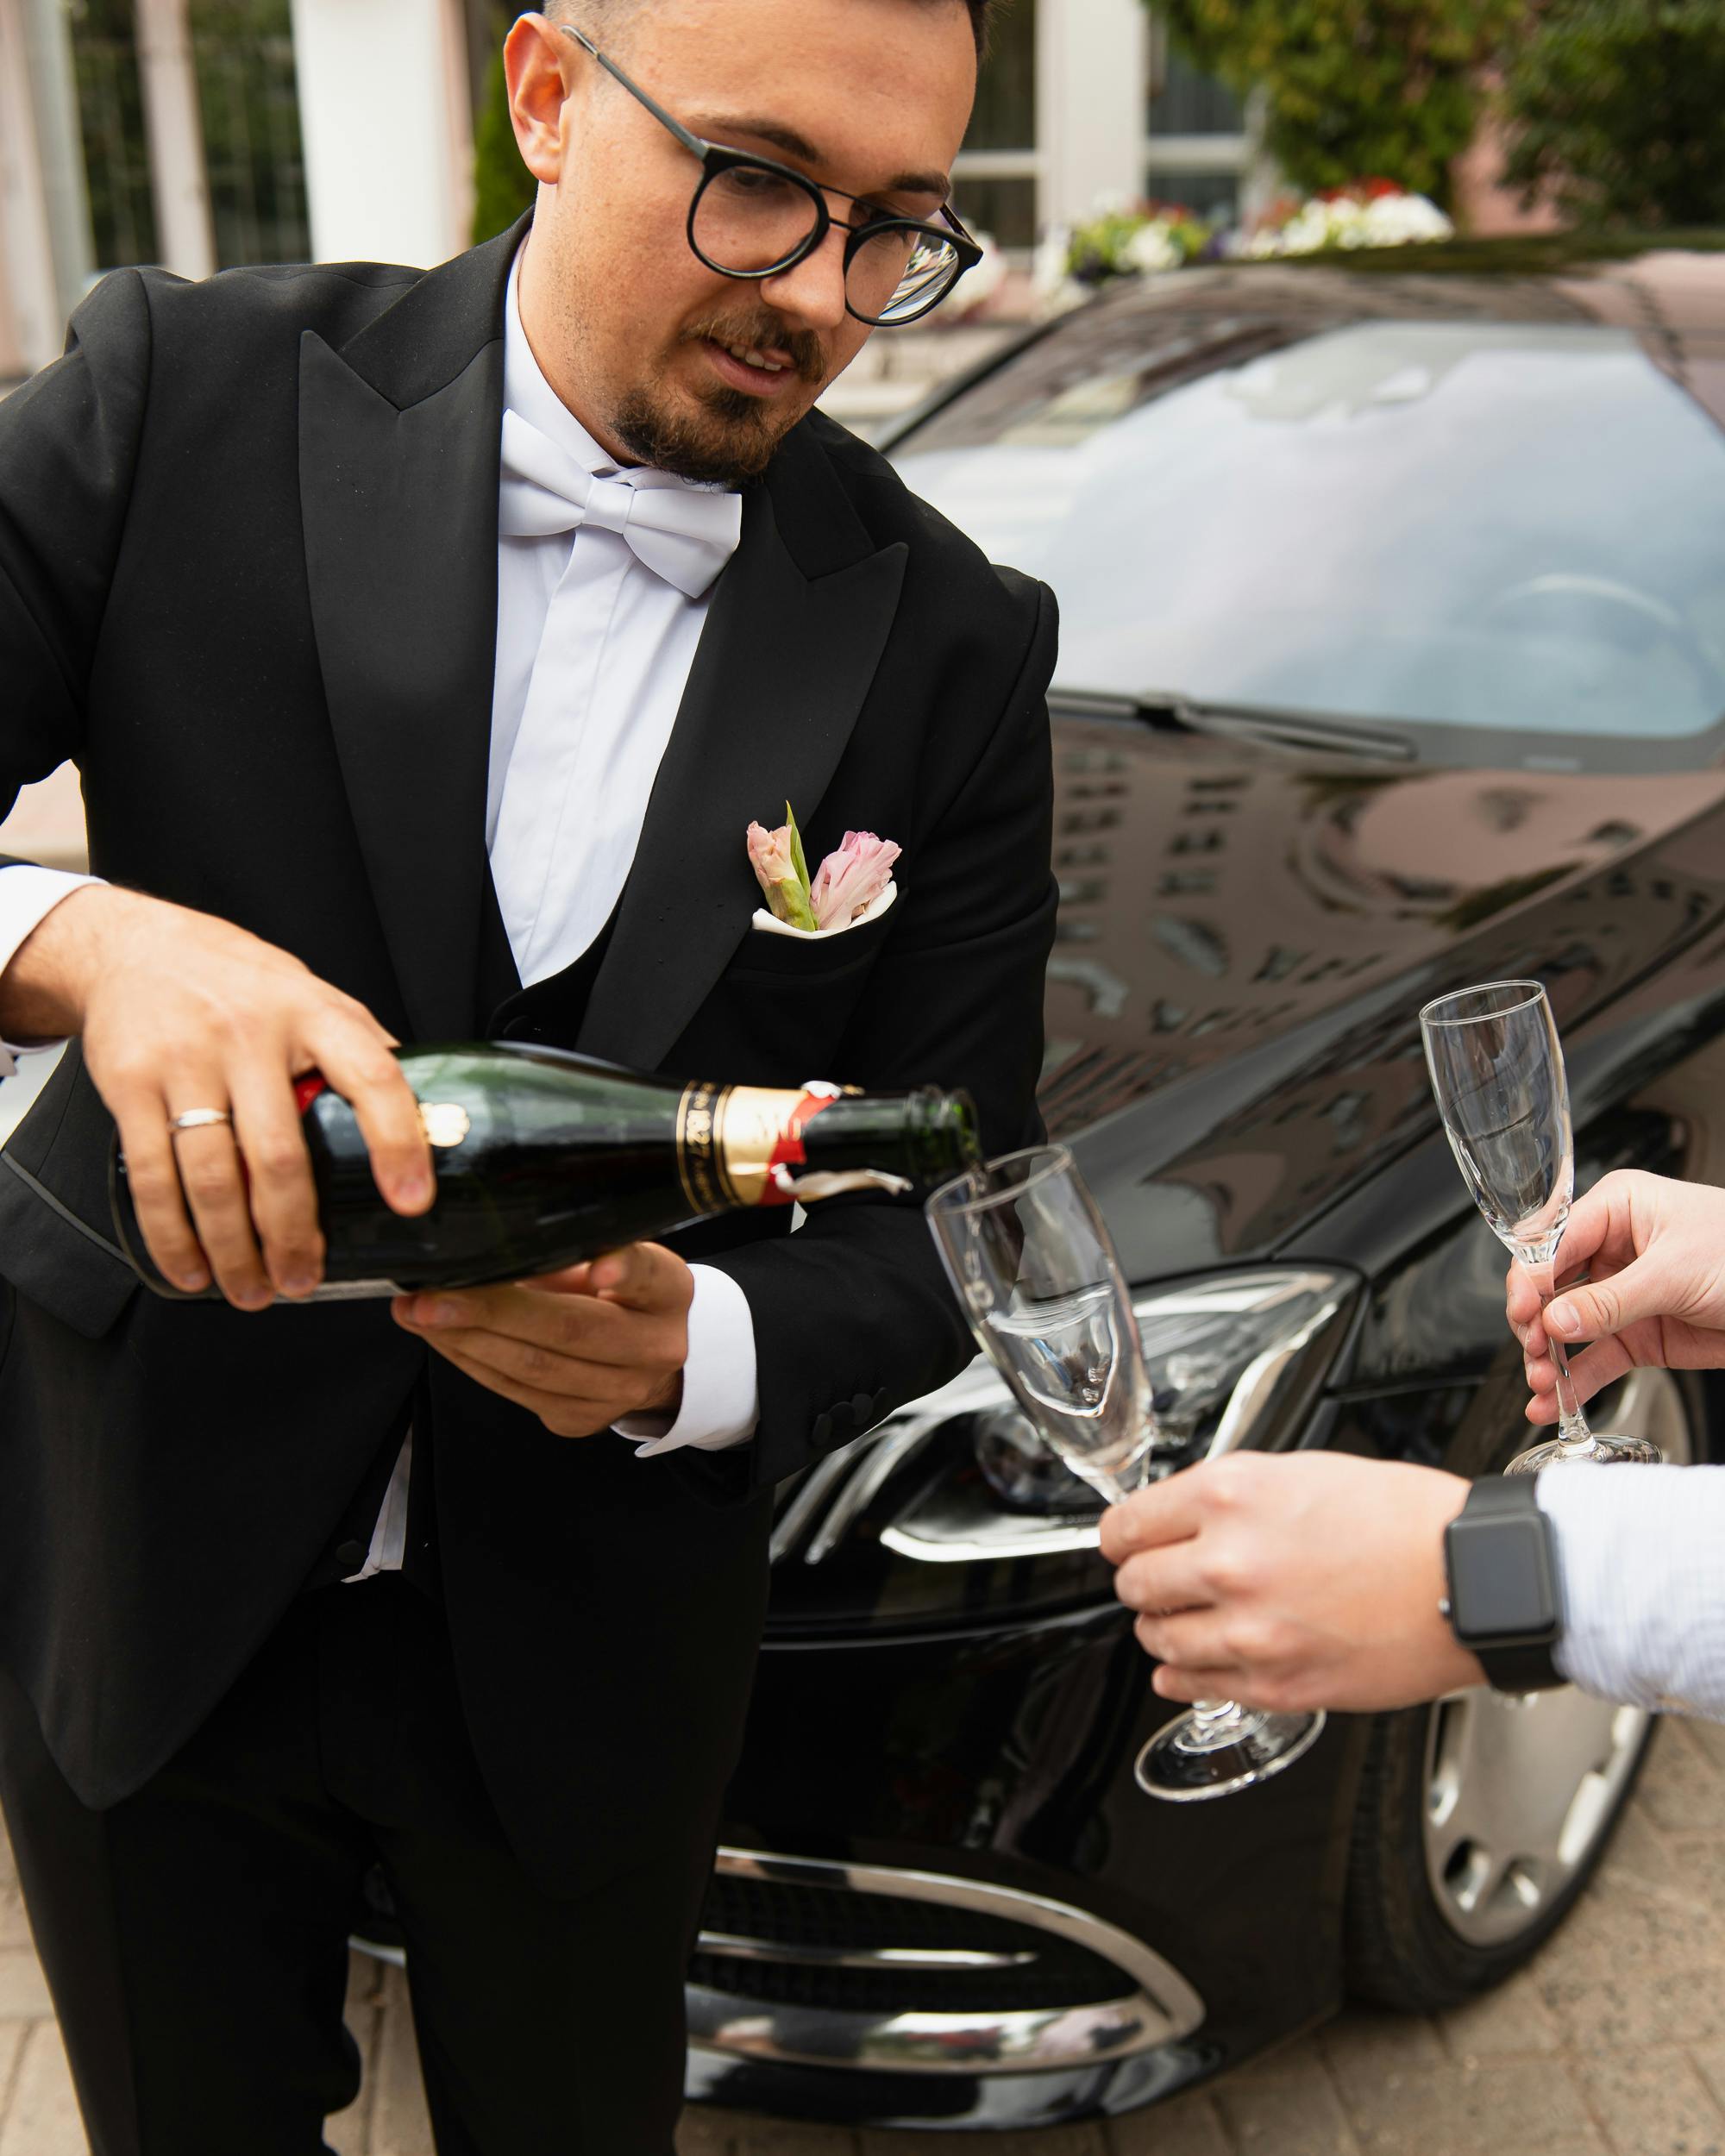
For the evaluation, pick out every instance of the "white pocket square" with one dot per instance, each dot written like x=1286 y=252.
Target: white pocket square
x=770 y=924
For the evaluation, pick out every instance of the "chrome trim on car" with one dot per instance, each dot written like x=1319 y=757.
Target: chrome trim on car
x=1158 y=2006
x=1047 y=2041
x=892 y=1449
x=1015 y=1539
x=733 y=1946
x=802 y=1506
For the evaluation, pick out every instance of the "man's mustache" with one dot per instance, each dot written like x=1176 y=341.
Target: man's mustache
x=762 y=334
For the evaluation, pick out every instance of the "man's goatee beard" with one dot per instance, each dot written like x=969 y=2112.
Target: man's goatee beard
x=732 y=439
x=733 y=447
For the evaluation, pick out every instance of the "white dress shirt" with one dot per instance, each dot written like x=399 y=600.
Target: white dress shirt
x=1641 y=1562
x=584 y=699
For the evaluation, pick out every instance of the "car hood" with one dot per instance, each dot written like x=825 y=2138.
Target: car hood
x=1246 y=937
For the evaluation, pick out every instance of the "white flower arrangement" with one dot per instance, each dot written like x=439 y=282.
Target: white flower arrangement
x=1120 y=238
x=1375 y=213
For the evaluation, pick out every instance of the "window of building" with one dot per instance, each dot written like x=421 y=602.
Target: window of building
x=110 y=113
x=995 y=181
x=248 y=103
x=1183 y=100
x=1213 y=195
x=1197 y=138
x=250 y=106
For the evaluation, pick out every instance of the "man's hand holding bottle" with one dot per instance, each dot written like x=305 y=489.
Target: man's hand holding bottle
x=181 y=1011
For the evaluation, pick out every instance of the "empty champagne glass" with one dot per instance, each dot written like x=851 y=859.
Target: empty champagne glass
x=1497 y=1071
x=1035 y=1272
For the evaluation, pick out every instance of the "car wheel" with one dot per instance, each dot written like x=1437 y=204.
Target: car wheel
x=1481 y=1817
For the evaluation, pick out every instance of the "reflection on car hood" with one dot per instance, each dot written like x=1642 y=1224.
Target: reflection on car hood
x=1246 y=937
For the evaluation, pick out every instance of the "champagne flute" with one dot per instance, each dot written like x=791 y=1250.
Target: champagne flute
x=1497 y=1071
x=1036 y=1274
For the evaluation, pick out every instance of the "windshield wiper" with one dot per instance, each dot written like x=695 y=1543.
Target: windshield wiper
x=1367 y=739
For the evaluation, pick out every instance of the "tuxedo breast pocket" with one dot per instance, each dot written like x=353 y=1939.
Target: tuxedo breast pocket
x=788 y=960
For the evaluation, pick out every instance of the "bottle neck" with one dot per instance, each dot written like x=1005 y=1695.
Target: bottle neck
x=754 y=1145
x=926 y=1136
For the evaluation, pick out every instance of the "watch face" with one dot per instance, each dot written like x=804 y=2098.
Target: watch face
x=1500 y=1581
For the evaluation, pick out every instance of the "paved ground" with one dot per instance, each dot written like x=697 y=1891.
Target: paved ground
x=1612 y=2045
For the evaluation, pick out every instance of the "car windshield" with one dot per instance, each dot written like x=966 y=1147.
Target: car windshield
x=1519 y=526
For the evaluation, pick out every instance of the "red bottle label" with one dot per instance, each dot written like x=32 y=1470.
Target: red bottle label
x=788 y=1151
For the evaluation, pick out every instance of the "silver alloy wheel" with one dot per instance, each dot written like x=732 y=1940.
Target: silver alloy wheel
x=1518 y=1791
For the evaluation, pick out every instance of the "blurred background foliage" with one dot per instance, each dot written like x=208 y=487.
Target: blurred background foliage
x=1617 y=109
x=1355 y=89
x=503 y=186
x=1610 y=107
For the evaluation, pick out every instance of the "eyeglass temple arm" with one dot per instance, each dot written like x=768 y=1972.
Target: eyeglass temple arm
x=691 y=142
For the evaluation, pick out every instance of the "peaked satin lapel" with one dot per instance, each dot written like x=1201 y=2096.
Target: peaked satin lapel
x=399 y=444
x=784 y=662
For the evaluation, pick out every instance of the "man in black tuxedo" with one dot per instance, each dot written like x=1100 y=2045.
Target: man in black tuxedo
x=285 y=1594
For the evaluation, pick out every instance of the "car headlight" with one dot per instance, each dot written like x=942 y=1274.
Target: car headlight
x=1234 y=1359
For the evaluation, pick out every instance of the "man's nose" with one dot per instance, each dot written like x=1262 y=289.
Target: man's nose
x=812 y=292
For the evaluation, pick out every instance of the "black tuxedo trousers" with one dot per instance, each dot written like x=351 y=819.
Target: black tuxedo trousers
x=247 y=581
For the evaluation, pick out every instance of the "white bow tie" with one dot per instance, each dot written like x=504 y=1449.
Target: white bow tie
x=683 y=533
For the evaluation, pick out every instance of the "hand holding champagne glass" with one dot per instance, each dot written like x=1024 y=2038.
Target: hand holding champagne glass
x=1497 y=1070
x=1036 y=1273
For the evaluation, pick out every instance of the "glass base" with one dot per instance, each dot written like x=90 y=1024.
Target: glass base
x=1192 y=1758
x=1595 y=1451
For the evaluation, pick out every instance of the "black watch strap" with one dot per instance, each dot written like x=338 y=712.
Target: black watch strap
x=1500 y=1558
x=1529 y=1669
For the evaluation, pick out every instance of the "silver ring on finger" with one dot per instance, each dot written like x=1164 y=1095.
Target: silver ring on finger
x=197 y=1119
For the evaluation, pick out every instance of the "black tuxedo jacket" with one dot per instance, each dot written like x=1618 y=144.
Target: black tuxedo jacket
x=248 y=582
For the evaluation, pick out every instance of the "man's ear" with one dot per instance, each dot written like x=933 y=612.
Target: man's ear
x=533 y=55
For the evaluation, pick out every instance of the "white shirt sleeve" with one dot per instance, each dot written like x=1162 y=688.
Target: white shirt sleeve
x=1642 y=1561
x=28 y=896
x=721 y=1391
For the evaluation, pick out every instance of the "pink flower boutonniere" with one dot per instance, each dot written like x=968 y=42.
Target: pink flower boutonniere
x=851 y=885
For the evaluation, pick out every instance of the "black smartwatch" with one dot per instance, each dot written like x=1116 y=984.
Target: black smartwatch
x=1501 y=1563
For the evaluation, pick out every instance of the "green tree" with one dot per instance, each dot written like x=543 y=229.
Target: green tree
x=1614 y=108
x=1354 y=89
x=503 y=186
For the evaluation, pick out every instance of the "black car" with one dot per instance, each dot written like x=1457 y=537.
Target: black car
x=1393 y=660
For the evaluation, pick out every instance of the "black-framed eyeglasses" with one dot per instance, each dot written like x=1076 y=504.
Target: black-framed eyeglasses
x=752 y=217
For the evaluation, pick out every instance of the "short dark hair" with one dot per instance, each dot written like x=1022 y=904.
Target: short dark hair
x=589 y=13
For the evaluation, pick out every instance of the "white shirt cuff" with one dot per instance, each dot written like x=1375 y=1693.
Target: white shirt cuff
x=1639 y=1558
x=28 y=896
x=721 y=1395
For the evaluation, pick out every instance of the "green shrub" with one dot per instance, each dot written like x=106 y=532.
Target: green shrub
x=1615 y=107
x=503 y=186
x=1354 y=89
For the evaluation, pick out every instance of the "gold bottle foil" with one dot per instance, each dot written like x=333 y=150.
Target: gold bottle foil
x=727 y=1138
x=697 y=1149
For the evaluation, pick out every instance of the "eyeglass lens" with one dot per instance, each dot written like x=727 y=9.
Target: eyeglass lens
x=750 y=220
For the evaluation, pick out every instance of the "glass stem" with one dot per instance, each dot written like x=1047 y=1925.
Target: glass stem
x=1212 y=1722
x=1571 y=1423
x=1215 y=1713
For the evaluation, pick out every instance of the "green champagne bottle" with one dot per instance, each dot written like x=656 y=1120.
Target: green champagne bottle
x=544 y=1158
